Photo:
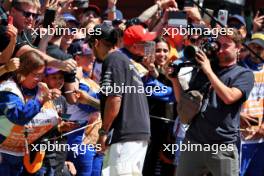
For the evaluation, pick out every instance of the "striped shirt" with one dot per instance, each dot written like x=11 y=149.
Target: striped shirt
x=254 y=106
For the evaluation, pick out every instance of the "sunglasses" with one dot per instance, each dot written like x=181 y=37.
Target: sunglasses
x=28 y=14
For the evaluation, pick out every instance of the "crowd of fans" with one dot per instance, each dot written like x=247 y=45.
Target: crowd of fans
x=52 y=91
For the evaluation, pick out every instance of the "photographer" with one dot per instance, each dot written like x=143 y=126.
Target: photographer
x=229 y=86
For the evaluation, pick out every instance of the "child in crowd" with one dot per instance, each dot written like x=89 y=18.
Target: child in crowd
x=86 y=159
x=54 y=161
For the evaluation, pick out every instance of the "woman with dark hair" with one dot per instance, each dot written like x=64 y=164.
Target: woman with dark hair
x=162 y=113
x=26 y=113
x=162 y=53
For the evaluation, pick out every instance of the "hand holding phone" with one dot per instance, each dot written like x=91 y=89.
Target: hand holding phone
x=177 y=19
x=223 y=16
x=49 y=17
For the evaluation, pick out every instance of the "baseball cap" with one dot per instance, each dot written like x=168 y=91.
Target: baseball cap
x=137 y=33
x=80 y=48
x=69 y=17
x=51 y=70
x=238 y=18
x=118 y=15
x=257 y=38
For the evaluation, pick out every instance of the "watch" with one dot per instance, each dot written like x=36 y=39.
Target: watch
x=102 y=132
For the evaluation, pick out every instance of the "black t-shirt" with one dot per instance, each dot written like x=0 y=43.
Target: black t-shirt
x=160 y=108
x=3 y=38
x=24 y=38
x=132 y=122
x=56 y=52
x=219 y=123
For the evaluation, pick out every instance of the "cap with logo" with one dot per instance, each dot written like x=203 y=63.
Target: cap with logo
x=80 y=48
x=257 y=38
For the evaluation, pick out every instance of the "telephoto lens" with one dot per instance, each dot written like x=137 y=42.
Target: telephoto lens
x=190 y=53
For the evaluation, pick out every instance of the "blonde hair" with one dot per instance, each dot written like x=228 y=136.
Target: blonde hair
x=18 y=3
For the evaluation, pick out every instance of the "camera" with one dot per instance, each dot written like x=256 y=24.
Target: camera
x=209 y=46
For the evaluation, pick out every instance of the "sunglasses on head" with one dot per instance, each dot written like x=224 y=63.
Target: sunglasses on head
x=27 y=14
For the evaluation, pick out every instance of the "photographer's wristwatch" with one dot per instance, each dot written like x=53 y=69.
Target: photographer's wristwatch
x=102 y=132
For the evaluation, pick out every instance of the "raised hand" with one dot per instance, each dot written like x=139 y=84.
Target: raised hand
x=258 y=22
x=12 y=65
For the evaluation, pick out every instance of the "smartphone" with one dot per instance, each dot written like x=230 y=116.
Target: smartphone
x=223 y=16
x=49 y=17
x=108 y=22
x=10 y=20
x=180 y=4
x=65 y=116
x=188 y=3
x=184 y=3
x=150 y=49
x=177 y=19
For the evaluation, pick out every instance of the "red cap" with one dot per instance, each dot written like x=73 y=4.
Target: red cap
x=137 y=33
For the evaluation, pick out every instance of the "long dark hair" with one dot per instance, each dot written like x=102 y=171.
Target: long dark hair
x=161 y=39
